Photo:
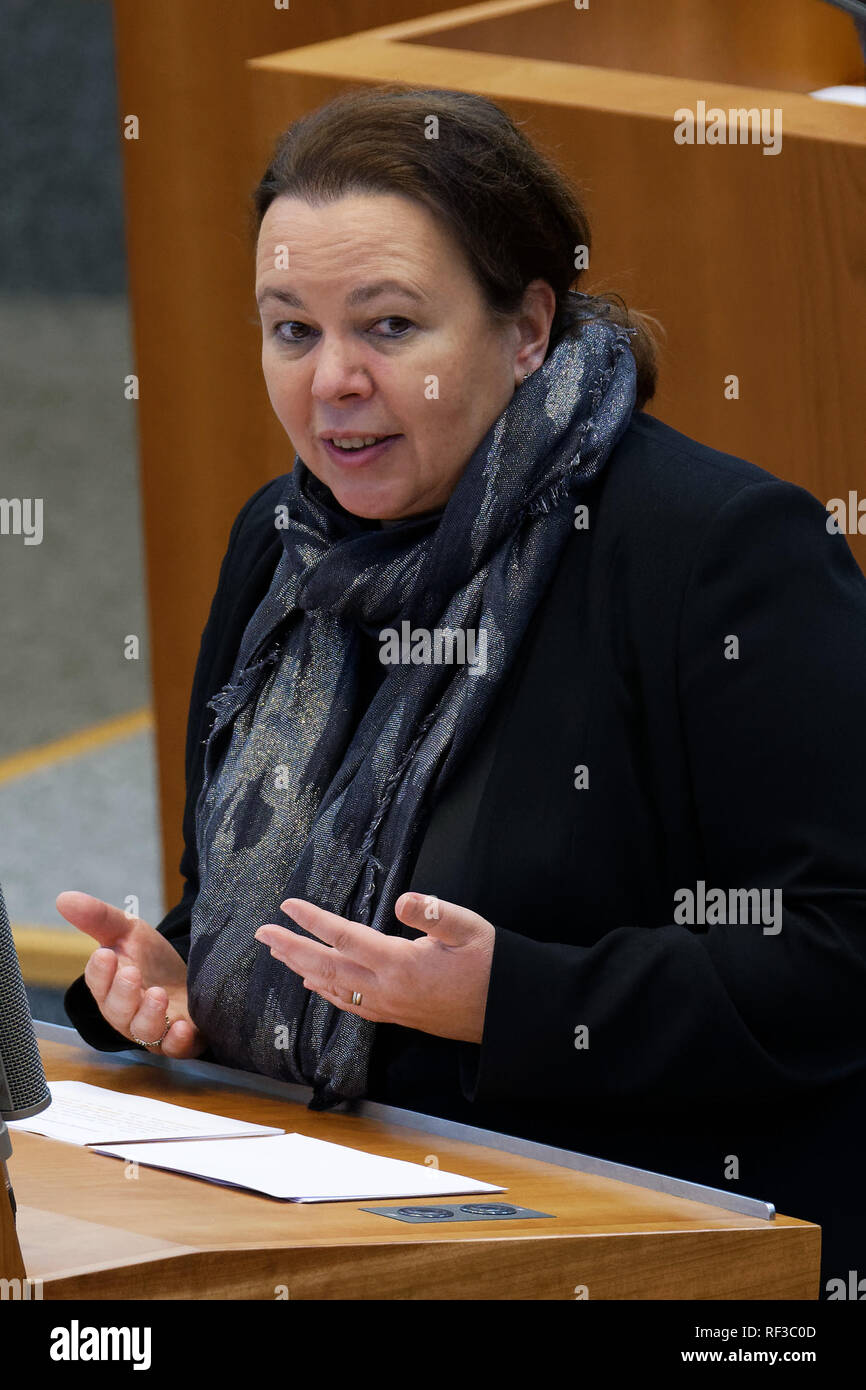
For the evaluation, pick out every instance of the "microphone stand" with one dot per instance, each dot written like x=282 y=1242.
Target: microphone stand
x=11 y=1259
x=6 y=1152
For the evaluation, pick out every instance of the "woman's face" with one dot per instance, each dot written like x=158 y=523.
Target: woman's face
x=373 y=325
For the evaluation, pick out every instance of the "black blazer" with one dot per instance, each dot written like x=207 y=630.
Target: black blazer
x=723 y=1053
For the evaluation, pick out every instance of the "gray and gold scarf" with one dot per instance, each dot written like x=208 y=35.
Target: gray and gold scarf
x=298 y=801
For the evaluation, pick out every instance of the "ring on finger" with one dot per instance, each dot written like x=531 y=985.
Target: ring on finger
x=158 y=1042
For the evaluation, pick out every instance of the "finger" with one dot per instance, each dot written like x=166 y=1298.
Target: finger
x=327 y=968
x=99 y=973
x=148 y=1023
x=354 y=940
x=183 y=1039
x=360 y=1011
x=449 y=923
x=123 y=999
x=107 y=924
x=307 y=957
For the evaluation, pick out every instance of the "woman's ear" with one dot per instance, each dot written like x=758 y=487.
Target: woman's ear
x=533 y=323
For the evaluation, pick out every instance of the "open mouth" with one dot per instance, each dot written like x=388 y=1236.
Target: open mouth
x=359 y=448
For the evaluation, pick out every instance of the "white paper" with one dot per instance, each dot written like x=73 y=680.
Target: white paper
x=296 y=1168
x=849 y=95
x=83 y=1114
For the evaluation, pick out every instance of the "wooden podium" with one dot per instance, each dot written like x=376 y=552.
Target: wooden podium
x=90 y=1228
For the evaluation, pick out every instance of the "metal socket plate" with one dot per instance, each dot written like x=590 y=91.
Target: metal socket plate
x=466 y=1211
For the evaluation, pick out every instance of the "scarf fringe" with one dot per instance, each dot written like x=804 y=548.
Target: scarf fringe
x=224 y=699
x=555 y=492
x=551 y=496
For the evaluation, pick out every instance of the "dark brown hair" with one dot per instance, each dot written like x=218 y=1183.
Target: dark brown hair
x=508 y=205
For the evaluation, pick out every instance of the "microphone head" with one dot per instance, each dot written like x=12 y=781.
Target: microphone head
x=23 y=1088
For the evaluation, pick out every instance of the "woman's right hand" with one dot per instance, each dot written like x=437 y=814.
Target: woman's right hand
x=136 y=976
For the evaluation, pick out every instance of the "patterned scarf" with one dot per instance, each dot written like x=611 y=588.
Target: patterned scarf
x=299 y=800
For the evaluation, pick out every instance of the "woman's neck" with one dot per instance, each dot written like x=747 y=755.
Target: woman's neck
x=417 y=516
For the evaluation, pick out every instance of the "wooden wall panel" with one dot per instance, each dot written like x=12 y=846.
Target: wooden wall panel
x=753 y=263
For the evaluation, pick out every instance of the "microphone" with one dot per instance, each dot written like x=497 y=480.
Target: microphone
x=23 y=1088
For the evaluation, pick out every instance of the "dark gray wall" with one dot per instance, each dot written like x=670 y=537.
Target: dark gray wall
x=61 y=212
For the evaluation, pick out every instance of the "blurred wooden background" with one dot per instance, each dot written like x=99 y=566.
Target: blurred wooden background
x=753 y=263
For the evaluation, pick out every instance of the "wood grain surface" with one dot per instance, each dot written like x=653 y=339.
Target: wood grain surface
x=90 y=1226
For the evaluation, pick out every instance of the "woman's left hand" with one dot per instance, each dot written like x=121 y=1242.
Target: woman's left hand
x=437 y=983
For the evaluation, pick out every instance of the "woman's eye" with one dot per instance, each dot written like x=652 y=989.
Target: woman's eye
x=395 y=318
x=288 y=338
x=402 y=326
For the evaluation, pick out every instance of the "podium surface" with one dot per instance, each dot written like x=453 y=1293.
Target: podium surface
x=90 y=1229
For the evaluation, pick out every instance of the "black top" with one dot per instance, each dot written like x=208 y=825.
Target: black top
x=717 y=1052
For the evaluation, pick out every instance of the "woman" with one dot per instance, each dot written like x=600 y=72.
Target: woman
x=638 y=853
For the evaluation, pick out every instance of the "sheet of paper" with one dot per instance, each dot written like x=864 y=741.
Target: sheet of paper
x=850 y=95
x=83 y=1114
x=296 y=1168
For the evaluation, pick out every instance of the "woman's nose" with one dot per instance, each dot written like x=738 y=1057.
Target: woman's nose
x=338 y=371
